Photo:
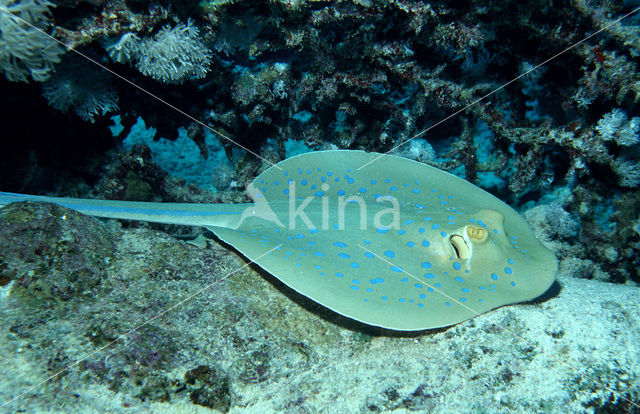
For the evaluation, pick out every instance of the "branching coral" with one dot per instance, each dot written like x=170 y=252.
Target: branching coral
x=173 y=55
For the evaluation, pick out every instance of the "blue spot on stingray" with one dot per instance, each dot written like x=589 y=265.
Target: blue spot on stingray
x=299 y=171
x=459 y=279
x=426 y=243
x=472 y=220
x=367 y=242
x=355 y=281
x=510 y=261
x=429 y=276
x=415 y=191
x=337 y=180
x=411 y=244
x=350 y=180
x=404 y=279
x=420 y=206
x=396 y=269
x=496 y=231
x=318 y=193
x=463 y=300
x=313 y=187
x=401 y=232
x=494 y=276
x=443 y=234
x=508 y=270
x=451 y=217
x=388 y=180
x=426 y=265
x=382 y=229
x=390 y=254
x=420 y=305
x=369 y=255
x=308 y=171
x=340 y=244
x=384 y=298
x=447 y=303
x=376 y=280
x=344 y=255
x=355 y=265
x=298 y=264
x=318 y=267
x=369 y=290
x=299 y=236
x=430 y=289
x=435 y=226
x=402 y=300
x=319 y=254
x=465 y=290
x=427 y=219
x=286 y=191
x=354 y=287
x=341 y=192
x=418 y=285
x=373 y=181
x=313 y=231
x=323 y=179
x=480 y=222
x=422 y=296
x=339 y=274
x=421 y=230
x=393 y=188
x=286 y=173
x=362 y=190
x=456 y=265
x=513 y=283
x=329 y=173
x=408 y=222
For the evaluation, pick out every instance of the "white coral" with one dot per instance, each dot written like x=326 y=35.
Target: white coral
x=173 y=55
x=25 y=51
x=610 y=123
x=615 y=126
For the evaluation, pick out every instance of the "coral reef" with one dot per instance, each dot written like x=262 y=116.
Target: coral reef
x=445 y=83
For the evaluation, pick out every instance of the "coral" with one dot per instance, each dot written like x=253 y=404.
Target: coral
x=615 y=126
x=25 y=51
x=628 y=173
x=173 y=55
x=418 y=149
x=76 y=258
x=86 y=90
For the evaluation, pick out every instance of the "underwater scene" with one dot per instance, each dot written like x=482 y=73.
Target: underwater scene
x=307 y=206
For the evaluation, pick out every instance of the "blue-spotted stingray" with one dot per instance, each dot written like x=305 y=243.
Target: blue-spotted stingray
x=395 y=244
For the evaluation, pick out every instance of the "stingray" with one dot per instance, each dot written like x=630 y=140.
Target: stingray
x=396 y=244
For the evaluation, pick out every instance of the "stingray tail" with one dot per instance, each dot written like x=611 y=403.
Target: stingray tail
x=189 y=214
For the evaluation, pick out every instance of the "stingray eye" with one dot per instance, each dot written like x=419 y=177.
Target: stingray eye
x=460 y=247
x=477 y=234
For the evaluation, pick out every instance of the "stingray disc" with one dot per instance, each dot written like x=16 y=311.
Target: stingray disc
x=396 y=244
